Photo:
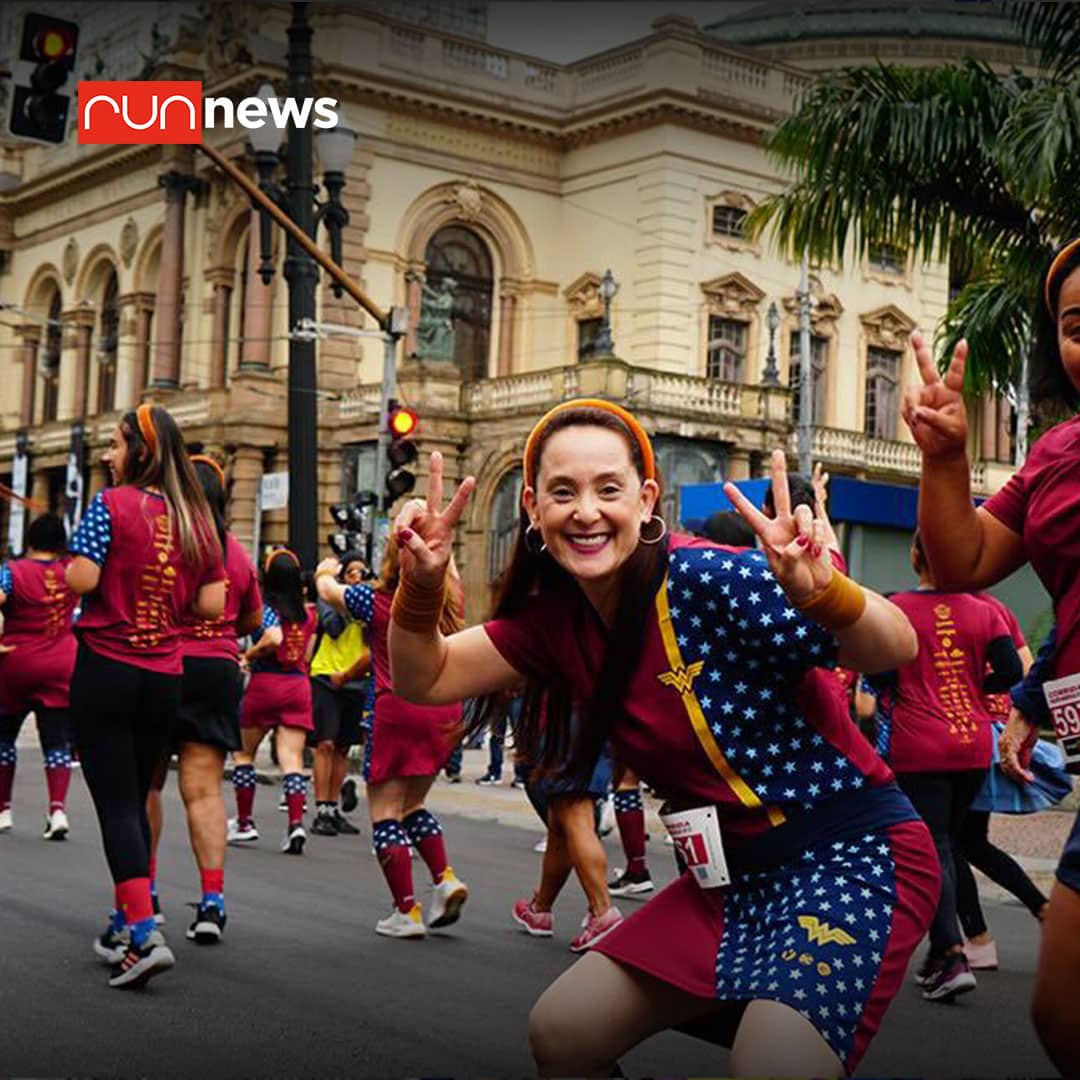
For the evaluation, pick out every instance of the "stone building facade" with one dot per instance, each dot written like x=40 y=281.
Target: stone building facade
x=128 y=272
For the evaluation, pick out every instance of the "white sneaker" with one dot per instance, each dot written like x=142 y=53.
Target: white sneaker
x=540 y=846
x=241 y=835
x=5 y=820
x=56 y=826
x=294 y=841
x=448 y=900
x=402 y=924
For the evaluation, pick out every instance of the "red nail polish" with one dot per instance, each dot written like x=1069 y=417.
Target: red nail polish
x=802 y=541
x=405 y=536
x=816 y=551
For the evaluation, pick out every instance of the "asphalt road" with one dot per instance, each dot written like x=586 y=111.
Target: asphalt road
x=302 y=986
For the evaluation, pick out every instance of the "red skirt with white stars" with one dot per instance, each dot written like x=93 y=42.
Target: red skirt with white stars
x=829 y=933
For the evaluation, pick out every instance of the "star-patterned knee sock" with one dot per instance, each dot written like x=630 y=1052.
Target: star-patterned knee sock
x=392 y=847
x=630 y=818
x=294 y=786
x=57 y=777
x=8 y=757
x=243 y=779
x=427 y=836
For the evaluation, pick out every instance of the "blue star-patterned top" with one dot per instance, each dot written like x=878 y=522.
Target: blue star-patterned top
x=94 y=534
x=7 y=582
x=728 y=704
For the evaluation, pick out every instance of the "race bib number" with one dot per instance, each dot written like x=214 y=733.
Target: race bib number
x=1063 y=698
x=696 y=834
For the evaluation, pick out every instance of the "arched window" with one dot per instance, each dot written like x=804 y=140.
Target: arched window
x=505 y=514
x=50 y=361
x=108 y=345
x=685 y=461
x=458 y=254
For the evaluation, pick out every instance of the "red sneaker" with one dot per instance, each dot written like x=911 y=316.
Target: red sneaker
x=595 y=927
x=537 y=923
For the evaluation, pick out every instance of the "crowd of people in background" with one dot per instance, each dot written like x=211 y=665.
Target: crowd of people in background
x=848 y=747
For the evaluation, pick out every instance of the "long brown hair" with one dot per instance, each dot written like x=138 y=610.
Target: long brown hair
x=453 y=612
x=558 y=734
x=163 y=463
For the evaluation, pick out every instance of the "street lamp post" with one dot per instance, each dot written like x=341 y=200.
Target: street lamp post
x=604 y=346
x=771 y=376
x=335 y=149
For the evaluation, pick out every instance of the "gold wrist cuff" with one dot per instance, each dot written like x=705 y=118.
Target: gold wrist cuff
x=839 y=605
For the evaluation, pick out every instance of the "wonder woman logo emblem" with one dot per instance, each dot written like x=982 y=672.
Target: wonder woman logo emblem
x=682 y=678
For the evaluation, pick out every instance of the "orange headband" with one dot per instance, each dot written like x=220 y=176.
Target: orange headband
x=640 y=436
x=202 y=459
x=275 y=553
x=146 y=426
x=1059 y=261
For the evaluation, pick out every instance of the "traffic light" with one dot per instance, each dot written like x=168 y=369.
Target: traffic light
x=353 y=521
x=46 y=59
x=401 y=453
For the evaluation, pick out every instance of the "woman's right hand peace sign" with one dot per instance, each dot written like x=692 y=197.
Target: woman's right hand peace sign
x=935 y=411
x=425 y=531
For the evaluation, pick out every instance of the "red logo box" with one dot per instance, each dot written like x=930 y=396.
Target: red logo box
x=118 y=113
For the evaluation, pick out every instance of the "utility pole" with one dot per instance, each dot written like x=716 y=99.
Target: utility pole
x=302 y=277
x=806 y=373
x=1023 y=409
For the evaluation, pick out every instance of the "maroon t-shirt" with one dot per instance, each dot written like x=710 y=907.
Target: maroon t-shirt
x=936 y=716
x=729 y=703
x=1041 y=503
x=37 y=621
x=146 y=586
x=215 y=639
x=998 y=705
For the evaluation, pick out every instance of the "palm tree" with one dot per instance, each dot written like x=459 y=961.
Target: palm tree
x=958 y=164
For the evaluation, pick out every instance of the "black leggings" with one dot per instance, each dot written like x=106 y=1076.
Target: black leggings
x=942 y=800
x=1002 y=869
x=123 y=716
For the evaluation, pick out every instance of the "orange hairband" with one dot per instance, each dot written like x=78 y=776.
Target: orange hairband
x=640 y=436
x=144 y=416
x=275 y=553
x=1059 y=261
x=202 y=459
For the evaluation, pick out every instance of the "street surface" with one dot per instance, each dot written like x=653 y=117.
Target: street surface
x=302 y=986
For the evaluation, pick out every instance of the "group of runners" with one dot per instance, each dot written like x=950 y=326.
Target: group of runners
x=703 y=668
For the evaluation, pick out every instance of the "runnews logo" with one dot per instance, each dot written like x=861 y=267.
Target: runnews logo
x=176 y=112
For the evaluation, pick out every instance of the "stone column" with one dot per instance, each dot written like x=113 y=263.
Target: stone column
x=221 y=278
x=1004 y=436
x=136 y=309
x=258 y=308
x=507 y=318
x=31 y=338
x=738 y=464
x=81 y=320
x=988 y=429
x=170 y=293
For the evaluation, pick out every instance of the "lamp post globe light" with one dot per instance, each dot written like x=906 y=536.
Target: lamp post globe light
x=298 y=200
x=604 y=346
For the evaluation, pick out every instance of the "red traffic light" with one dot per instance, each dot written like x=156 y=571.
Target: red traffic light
x=402 y=423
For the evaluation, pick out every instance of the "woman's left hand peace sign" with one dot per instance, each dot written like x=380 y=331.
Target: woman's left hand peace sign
x=794 y=543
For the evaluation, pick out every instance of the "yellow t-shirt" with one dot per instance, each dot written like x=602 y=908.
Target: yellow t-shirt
x=336 y=655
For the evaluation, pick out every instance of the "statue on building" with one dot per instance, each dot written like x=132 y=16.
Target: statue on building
x=435 y=331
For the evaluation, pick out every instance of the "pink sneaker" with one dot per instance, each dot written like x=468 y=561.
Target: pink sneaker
x=537 y=923
x=595 y=927
x=981 y=957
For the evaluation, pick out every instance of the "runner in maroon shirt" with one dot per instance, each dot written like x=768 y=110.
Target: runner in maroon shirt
x=208 y=723
x=144 y=554
x=405 y=748
x=692 y=658
x=934 y=730
x=278 y=698
x=38 y=606
x=1035 y=518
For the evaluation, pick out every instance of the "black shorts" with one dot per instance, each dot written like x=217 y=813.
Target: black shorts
x=210 y=704
x=54 y=728
x=336 y=713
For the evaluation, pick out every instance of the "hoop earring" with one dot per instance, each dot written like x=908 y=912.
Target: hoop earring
x=532 y=530
x=663 y=531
